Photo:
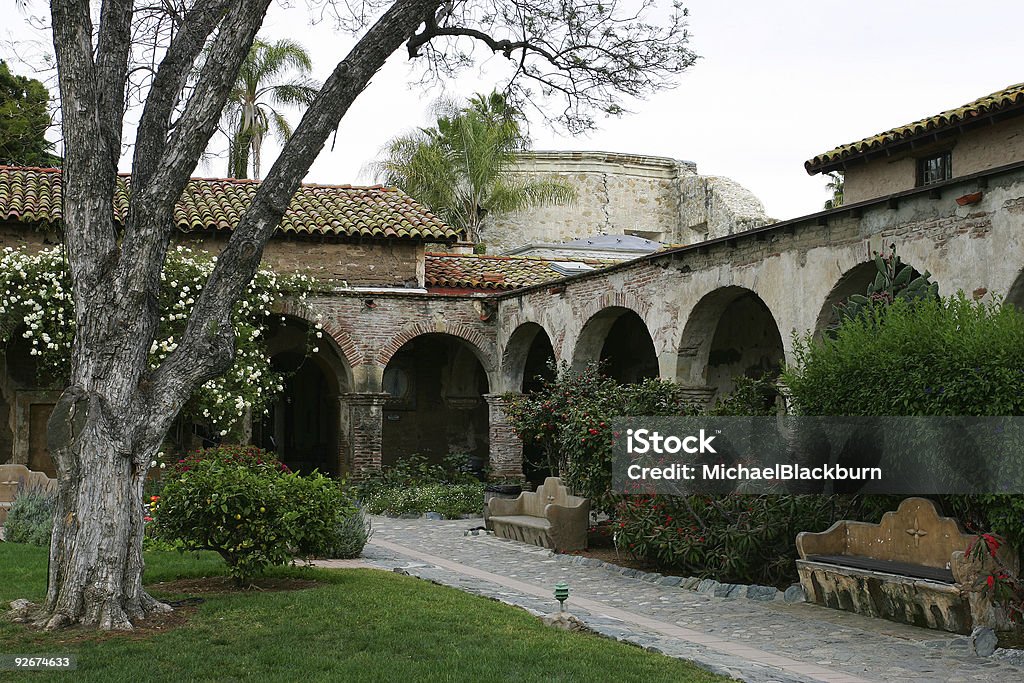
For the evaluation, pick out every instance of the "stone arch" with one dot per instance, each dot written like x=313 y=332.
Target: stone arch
x=853 y=281
x=307 y=425
x=339 y=338
x=482 y=348
x=526 y=353
x=437 y=405
x=1015 y=295
x=619 y=338
x=730 y=332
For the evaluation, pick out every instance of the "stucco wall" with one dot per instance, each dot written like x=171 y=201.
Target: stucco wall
x=655 y=197
x=972 y=152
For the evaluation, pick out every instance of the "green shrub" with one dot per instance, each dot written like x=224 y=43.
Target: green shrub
x=451 y=501
x=930 y=357
x=348 y=537
x=30 y=518
x=737 y=539
x=945 y=357
x=570 y=418
x=245 y=505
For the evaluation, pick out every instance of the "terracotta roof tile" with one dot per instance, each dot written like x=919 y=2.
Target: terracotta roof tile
x=494 y=273
x=34 y=195
x=1011 y=96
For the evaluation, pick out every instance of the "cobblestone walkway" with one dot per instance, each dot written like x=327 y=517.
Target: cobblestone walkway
x=749 y=640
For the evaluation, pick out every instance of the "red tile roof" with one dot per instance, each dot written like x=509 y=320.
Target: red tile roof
x=478 y=272
x=1007 y=98
x=32 y=195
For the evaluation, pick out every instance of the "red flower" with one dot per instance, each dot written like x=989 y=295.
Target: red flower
x=147 y=518
x=991 y=580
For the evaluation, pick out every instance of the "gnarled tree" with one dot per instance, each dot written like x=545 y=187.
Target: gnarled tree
x=110 y=420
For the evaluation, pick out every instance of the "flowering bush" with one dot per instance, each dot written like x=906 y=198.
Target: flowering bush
x=36 y=303
x=246 y=506
x=738 y=538
x=451 y=501
x=571 y=415
x=998 y=580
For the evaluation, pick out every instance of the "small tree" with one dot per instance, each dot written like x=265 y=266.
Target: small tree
x=24 y=119
x=836 y=185
x=461 y=166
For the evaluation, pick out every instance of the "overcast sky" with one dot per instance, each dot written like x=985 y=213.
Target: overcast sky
x=777 y=83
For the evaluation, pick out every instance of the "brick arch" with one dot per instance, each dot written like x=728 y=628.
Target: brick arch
x=482 y=347
x=517 y=349
x=703 y=324
x=855 y=280
x=617 y=300
x=595 y=333
x=339 y=338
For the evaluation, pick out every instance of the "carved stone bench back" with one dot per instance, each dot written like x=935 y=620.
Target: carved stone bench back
x=14 y=478
x=914 y=533
x=552 y=492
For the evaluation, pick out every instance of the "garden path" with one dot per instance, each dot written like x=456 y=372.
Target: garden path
x=744 y=638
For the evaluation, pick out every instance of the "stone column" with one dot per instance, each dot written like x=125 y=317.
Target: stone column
x=366 y=425
x=506 y=450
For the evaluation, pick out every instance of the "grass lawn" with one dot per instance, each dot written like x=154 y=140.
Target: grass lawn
x=354 y=625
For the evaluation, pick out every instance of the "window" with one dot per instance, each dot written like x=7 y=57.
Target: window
x=934 y=168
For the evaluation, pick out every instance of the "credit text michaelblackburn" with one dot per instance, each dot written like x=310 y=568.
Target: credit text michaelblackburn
x=777 y=472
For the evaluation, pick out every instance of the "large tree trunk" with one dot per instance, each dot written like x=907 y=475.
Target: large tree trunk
x=96 y=553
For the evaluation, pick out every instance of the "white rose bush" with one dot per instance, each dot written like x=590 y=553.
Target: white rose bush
x=36 y=305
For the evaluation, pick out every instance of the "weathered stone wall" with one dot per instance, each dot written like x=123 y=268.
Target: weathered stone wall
x=974 y=151
x=653 y=197
x=393 y=263
x=374 y=263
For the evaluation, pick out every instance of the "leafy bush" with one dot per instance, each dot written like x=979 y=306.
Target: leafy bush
x=245 y=505
x=30 y=518
x=738 y=538
x=448 y=500
x=348 y=537
x=944 y=357
x=570 y=418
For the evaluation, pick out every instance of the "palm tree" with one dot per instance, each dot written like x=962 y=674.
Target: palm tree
x=250 y=113
x=835 y=185
x=460 y=167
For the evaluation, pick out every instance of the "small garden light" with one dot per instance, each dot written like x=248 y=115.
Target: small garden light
x=561 y=594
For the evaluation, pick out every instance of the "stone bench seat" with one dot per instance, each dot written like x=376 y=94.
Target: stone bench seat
x=914 y=571
x=549 y=517
x=911 y=567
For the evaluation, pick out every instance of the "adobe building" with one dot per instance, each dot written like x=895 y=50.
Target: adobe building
x=976 y=137
x=425 y=346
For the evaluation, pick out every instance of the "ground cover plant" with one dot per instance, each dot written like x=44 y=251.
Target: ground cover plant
x=415 y=486
x=351 y=625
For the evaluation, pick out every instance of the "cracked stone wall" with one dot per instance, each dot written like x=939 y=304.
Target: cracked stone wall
x=654 y=197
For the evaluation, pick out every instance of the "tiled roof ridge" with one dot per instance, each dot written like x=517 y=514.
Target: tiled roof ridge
x=513 y=257
x=32 y=194
x=239 y=181
x=996 y=101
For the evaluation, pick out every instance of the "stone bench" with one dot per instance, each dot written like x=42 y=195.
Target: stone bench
x=549 y=517
x=911 y=567
x=17 y=478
